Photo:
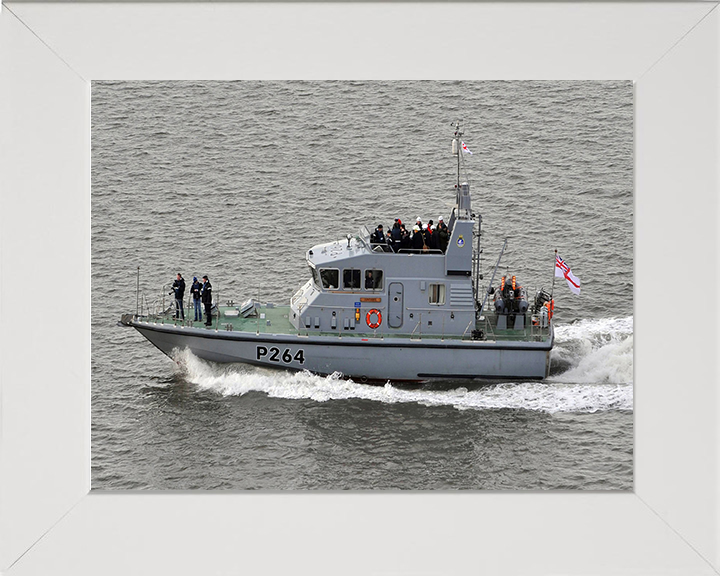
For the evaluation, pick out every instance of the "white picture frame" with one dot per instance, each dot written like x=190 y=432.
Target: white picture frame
x=50 y=523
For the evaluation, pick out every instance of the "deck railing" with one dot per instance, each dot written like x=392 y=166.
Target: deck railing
x=387 y=249
x=163 y=310
x=160 y=309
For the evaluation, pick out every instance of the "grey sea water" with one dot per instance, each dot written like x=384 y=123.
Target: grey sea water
x=238 y=179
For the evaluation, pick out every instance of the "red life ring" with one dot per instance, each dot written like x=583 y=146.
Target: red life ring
x=373 y=325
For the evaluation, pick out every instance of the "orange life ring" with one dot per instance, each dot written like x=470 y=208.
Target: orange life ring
x=373 y=325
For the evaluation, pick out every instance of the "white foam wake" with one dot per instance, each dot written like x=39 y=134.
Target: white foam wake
x=236 y=380
x=594 y=351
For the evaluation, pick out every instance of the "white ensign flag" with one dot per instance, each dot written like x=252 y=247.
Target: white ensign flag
x=562 y=270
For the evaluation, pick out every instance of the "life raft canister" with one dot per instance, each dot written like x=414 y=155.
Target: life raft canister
x=370 y=323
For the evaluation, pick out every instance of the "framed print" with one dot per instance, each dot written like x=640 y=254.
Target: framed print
x=49 y=519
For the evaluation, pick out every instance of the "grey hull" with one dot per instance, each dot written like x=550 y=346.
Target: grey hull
x=359 y=358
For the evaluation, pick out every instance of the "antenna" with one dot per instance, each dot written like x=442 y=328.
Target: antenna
x=457 y=143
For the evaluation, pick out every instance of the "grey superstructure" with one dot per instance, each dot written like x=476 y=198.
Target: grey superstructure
x=369 y=312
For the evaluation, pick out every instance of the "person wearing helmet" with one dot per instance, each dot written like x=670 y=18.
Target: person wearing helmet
x=418 y=241
x=443 y=234
x=429 y=234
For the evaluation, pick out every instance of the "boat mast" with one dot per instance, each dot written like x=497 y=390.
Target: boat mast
x=457 y=143
x=478 y=252
x=137 y=293
x=457 y=150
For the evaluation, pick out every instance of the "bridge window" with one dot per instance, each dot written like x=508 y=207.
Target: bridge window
x=315 y=276
x=329 y=277
x=373 y=279
x=351 y=279
x=436 y=294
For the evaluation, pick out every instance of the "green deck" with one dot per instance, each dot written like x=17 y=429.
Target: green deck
x=276 y=321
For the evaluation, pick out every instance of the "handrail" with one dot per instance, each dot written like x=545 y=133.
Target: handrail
x=467 y=328
x=386 y=249
x=137 y=293
x=419 y=251
x=144 y=300
x=489 y=327
x=362 y=239
x=418 y=325
x=492 y=279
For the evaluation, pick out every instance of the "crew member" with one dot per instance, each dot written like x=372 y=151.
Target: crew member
x=405 y=239
x=179 y=291
x=396 y=234
x=418 y=241
x=195 y=290
x=443 y=234
x=369 y=281
x=508 y=295
x=206 y=296
x=434 y=243
x=378 y=237
x=428 y=234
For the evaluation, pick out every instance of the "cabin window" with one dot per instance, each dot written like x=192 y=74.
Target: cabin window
x=351 y=279
x=436 y=294
x=373 y=279
x=329 y=277
x=315 y=276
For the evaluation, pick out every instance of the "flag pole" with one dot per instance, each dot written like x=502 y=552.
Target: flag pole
x=553 y=281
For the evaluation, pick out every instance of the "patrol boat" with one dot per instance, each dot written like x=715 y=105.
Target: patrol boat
x=374 y=314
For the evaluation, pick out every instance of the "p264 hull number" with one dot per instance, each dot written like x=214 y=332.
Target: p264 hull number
x=275 y=355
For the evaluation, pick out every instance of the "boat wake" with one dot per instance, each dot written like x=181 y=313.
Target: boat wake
x=594 y=374
x=594 y=351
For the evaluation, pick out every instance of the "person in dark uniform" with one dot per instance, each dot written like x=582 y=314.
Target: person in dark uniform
x=508 y=295
x=369 y=281
x=405 y=239
x=195 y=290
x=443 y=234
x=396 y=234
x=434 y=242
x=179 y=291
x=418 y=241
x=206 y=296
x=428 y=234
x=378 y=237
